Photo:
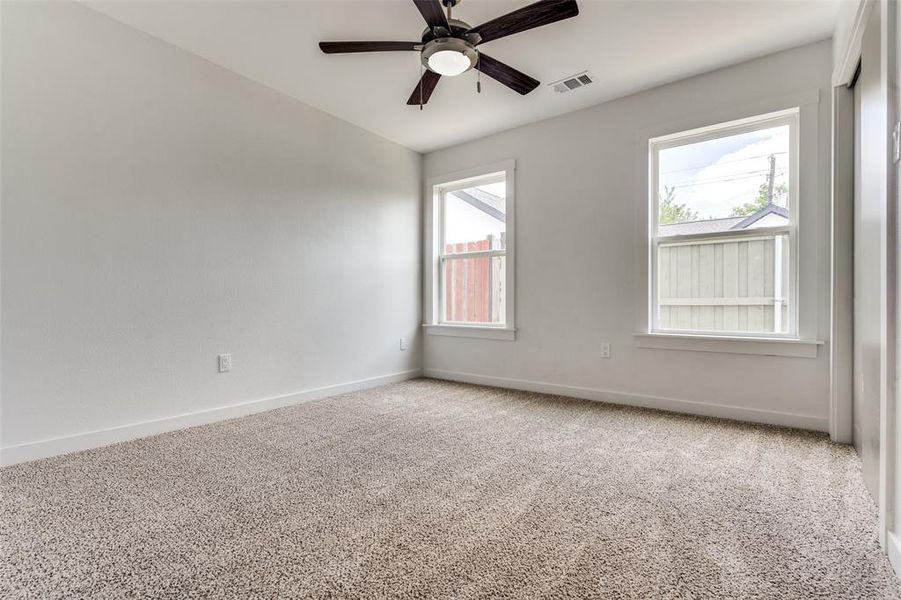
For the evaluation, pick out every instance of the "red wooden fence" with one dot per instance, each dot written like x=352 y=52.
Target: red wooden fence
x=468 y=285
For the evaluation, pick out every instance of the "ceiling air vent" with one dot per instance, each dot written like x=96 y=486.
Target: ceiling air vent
x=571 y=83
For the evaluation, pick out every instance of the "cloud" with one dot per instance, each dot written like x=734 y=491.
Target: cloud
x=714 y=176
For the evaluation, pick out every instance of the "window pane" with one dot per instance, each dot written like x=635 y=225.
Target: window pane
x=739 y=285
x=475 y=218
x=732 y=182
x=474 y=290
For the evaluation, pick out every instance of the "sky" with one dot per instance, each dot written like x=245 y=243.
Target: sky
x=465 y=223
x=498 y=189
x=714 y=176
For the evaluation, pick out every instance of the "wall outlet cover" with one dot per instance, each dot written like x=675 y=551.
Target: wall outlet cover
x=225 y=363
x=403 y=344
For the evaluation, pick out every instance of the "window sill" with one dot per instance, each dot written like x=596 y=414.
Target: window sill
x=472 y=331
x=729 y=344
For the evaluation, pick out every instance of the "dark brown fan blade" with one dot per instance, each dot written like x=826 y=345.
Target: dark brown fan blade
x=510 y=77
x=432 y=13
x=541 y=13
x=427 y=85
x=344 y=47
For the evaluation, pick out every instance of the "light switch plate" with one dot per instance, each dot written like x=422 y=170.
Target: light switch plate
x=896 y=142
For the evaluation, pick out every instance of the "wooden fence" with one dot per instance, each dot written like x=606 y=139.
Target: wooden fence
x=722 y=285
x=473 y=287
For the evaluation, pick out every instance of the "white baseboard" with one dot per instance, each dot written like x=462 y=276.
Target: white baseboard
x=893 y=549
x=11 y=455
x=691 y=407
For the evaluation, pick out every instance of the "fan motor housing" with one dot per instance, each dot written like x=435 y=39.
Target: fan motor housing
x=458 y=30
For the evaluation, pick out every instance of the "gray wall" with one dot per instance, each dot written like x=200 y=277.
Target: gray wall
x=158 y=210
x=581 y=193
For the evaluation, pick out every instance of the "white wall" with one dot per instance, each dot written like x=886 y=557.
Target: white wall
x=159 y=210
x=581 y=194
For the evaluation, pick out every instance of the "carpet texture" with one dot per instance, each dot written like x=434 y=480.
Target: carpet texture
x=429 y=489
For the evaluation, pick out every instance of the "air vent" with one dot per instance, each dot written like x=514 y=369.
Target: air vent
x=572 y=83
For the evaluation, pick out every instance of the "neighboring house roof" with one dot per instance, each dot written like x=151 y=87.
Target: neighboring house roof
x=770 y=209
x=765 y=217
x=490 y=204
x=705 y=226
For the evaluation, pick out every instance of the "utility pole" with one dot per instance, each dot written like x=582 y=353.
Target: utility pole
x=771 y=180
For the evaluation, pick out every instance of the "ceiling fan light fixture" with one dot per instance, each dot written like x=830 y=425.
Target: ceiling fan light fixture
x=449 y=62
x=449 y=56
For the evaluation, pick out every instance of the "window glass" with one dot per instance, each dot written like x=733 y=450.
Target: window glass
x=739 y=285
x=475 y=218
x=722 y=183
x=474 y=290
x=473 y=283
x=714 y=272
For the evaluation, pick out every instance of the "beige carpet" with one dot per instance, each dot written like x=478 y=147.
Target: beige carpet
x=427 y=489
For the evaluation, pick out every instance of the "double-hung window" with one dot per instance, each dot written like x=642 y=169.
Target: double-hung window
x=723 y=229
x=471 y=274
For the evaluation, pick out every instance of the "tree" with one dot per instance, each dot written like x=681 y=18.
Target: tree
x=761 y=201
x=671 y=212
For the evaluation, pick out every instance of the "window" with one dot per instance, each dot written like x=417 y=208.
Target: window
x=723 y=229
x=472 y=229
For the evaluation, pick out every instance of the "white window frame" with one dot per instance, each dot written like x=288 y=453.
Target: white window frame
x=435 y=258
x=789 y=117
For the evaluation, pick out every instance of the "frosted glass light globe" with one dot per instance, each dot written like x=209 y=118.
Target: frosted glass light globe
x=449 y=62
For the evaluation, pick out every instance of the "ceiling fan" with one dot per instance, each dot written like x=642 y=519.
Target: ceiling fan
x=449 y=46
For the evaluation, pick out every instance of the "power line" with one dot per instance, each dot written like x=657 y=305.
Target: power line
x=746 y=175
x=724 y=180
x=725 y=162
x=724 y=176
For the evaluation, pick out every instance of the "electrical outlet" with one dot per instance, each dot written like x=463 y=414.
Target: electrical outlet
x=225 y=363
x=403 y=344
x=605 y=349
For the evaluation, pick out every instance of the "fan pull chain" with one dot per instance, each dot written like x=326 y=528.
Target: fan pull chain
x=420 y=85
x=478 y=72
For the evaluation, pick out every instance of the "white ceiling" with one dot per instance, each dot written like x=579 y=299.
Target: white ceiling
x=628 y=45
